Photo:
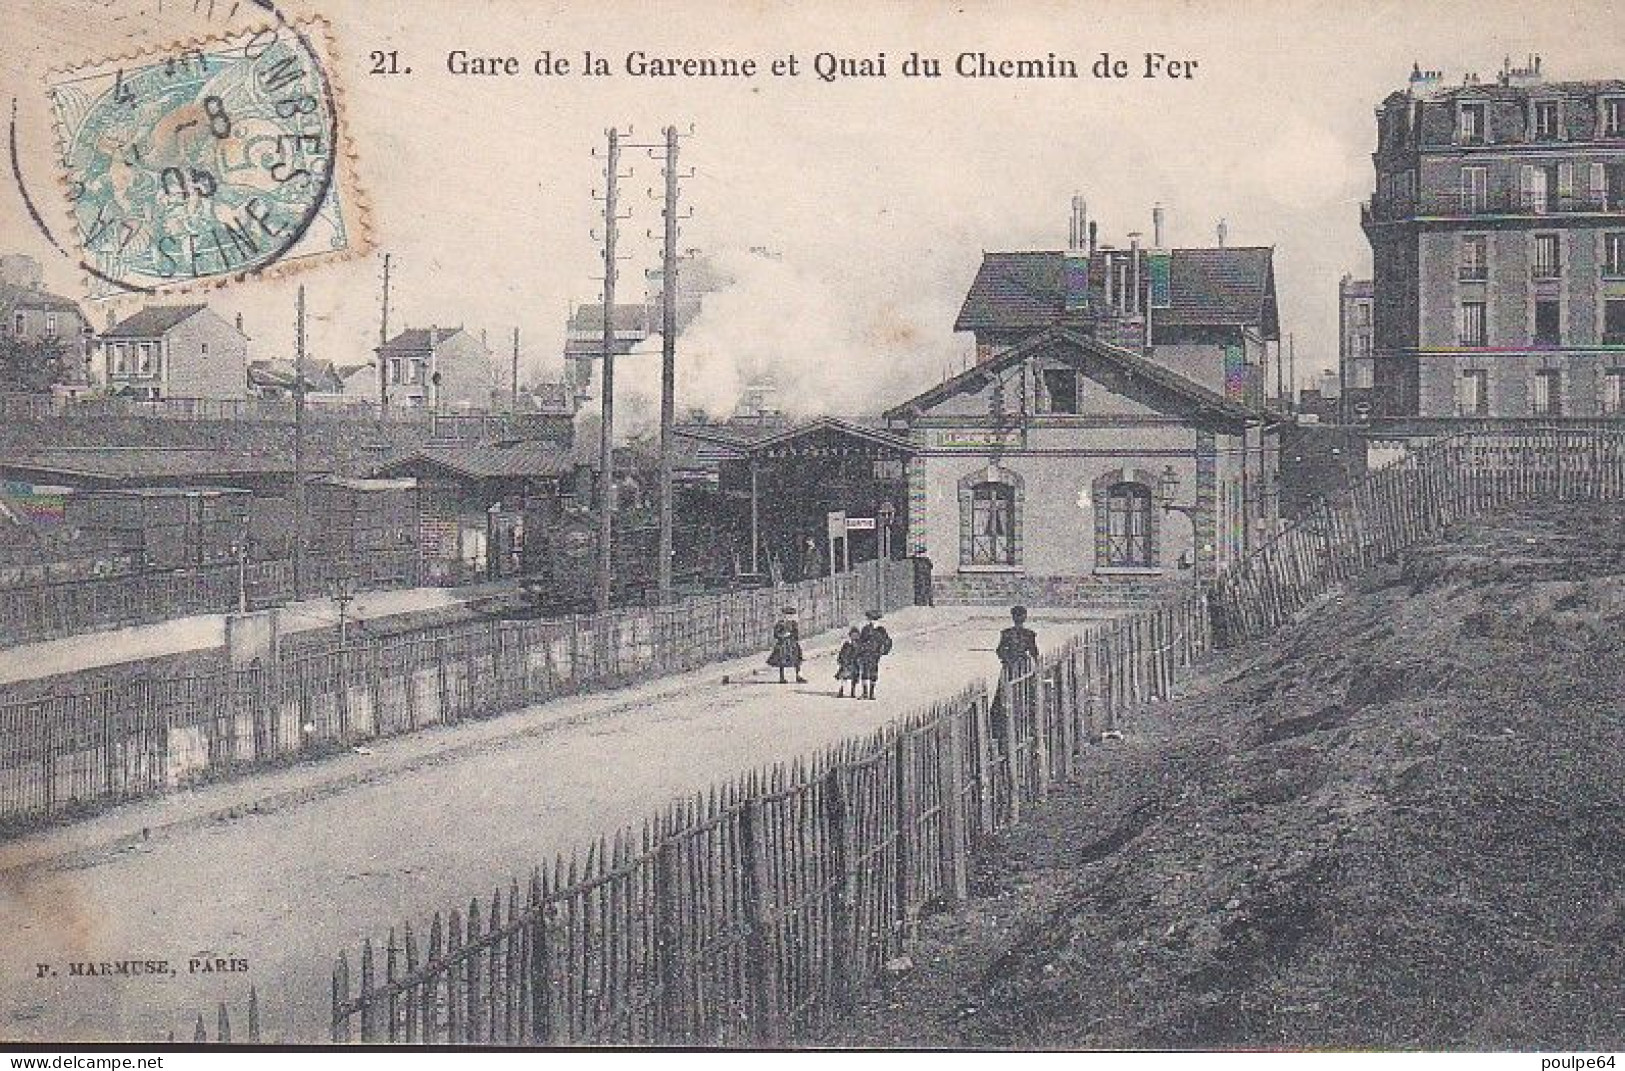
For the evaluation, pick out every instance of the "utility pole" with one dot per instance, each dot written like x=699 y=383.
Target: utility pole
x=383 y=340
x=299 y=504
x=515 y=385
x=668 y=364
x=606 y=429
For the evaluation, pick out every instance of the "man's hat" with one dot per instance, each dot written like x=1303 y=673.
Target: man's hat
x=872 y=615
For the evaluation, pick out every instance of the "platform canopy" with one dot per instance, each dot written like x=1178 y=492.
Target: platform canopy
x=820 y=437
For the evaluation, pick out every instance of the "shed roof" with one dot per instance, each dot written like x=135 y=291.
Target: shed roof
x=136 y=463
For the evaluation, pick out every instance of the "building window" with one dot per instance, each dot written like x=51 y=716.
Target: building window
x=1060 y=390
x=1362 y=315
x=1475 y=265
x=1613 y=391
x=1475 y=392
x=1548 y=322
x=1471 y=125
x=116 y=354
x=1613 y=254
x=1548 y=396
x=1613 y=322
x=1474 y=329
x=1547 y=124
x=143 y=358
x=1548 y=258
x=50 y=325
x=1128 y=532
x=18 y=323
x=992 y=524
x=1613 y=117
x=395 y=370
x=1475 y=189
x=1540 y=185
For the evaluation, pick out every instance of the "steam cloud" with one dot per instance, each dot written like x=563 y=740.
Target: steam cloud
x=830 y=343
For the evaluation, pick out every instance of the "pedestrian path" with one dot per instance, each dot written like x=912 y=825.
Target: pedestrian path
x=283 y=869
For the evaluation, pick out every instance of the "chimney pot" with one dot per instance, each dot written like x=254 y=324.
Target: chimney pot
x=1156 y=227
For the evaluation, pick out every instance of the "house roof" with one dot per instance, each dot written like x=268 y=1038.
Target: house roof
x=1068 y=342
x=27 y=297
x=1494 y=90
x=503 y=459
x=154 y=321
x=627 y=318
x=416 y=339
x=148 y=463
x=1229 y=286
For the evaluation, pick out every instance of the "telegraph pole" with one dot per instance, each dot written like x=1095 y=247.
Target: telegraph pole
x=515 y=385
x=668 y=364
x=606 y=430
x=299 y=449
x=383 y=340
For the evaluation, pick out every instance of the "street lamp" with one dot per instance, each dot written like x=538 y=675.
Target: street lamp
x=1167 y=491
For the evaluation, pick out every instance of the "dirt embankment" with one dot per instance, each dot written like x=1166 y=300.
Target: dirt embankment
x=1398 y=824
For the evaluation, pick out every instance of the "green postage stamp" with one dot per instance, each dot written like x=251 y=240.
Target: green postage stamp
x=206 y=162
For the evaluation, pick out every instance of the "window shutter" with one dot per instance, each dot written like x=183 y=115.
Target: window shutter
x=1527 y=179
x=1565 y=180
x=1599 y=181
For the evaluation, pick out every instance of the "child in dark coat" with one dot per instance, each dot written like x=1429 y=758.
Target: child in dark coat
x=786 y=653
x=874 y=643
x=846 y=664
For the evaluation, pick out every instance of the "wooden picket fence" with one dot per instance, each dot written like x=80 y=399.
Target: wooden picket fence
x=249 y=1024
x=1408 y=502
x=145 y=736
x=753 y=912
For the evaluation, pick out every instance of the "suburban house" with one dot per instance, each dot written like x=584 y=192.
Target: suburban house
x=1112 y=430
x=175 y=351
x=29 y=313
x=437 y=369
x=325 y=382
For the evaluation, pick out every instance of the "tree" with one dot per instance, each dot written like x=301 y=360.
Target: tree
x=32 y=366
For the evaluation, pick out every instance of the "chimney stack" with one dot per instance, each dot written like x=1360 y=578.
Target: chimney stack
x=1078 y=224
x=1091 y=238
x=1224 y=232
x=1156 y=227
x=1075 y=267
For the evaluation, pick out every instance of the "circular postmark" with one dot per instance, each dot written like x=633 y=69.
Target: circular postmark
x=206 y=161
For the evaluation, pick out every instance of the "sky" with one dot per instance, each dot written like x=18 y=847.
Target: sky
x=877 y=196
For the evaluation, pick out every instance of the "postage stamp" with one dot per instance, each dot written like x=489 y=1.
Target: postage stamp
x=208 y=161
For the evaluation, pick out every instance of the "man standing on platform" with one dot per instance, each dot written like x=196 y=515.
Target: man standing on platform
x=1018 y=644
x=874 y=643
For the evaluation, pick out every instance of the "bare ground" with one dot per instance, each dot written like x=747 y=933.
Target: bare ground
x=1399 y=824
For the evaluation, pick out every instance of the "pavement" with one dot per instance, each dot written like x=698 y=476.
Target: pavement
x=284 y=869
x=90 y=650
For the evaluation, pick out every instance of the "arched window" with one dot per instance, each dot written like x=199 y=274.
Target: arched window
x=1128 y=526
x=992 y=524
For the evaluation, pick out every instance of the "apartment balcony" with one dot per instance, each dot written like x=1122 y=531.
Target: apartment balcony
x=1456 y=205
